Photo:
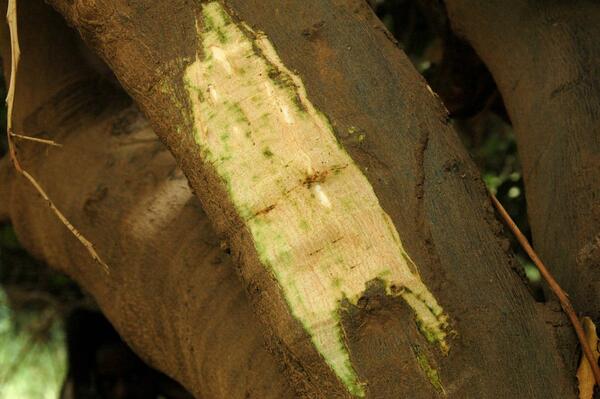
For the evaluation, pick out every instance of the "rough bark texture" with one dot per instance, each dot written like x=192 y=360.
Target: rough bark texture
x=172 y=293
x=413 y=159
x=545 y=57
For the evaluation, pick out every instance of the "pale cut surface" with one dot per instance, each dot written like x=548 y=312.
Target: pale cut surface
x=316 y=223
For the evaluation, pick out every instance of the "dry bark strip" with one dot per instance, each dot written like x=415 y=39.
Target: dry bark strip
x=545 y=58
x=396 y=132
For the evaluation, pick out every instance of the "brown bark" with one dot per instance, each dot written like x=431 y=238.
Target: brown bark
x=545 y=57
x=172 y=293
x=412 y=157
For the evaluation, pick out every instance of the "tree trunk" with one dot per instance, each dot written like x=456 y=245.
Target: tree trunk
x=235 y=106
x=171 y=293
x=545 y=58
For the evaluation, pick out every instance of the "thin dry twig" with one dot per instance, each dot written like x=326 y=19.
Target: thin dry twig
x=11 y=17
x=562 y=296
x=36 y=139
x=86 y=243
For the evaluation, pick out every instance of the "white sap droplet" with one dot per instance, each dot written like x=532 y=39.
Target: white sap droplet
x=268 y=89
x=283 y=108
x=321 y=196
x=287 y=117
x=213 y=93
x=221 y=57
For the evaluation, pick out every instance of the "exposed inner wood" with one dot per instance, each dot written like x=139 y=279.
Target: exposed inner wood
x=316 y=223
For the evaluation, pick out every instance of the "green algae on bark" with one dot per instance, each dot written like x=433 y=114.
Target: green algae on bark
x=316 y=223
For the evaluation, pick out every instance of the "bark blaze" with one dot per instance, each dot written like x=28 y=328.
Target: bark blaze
x=315 y=221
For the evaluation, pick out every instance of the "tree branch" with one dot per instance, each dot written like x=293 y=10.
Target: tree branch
x=339 y=66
